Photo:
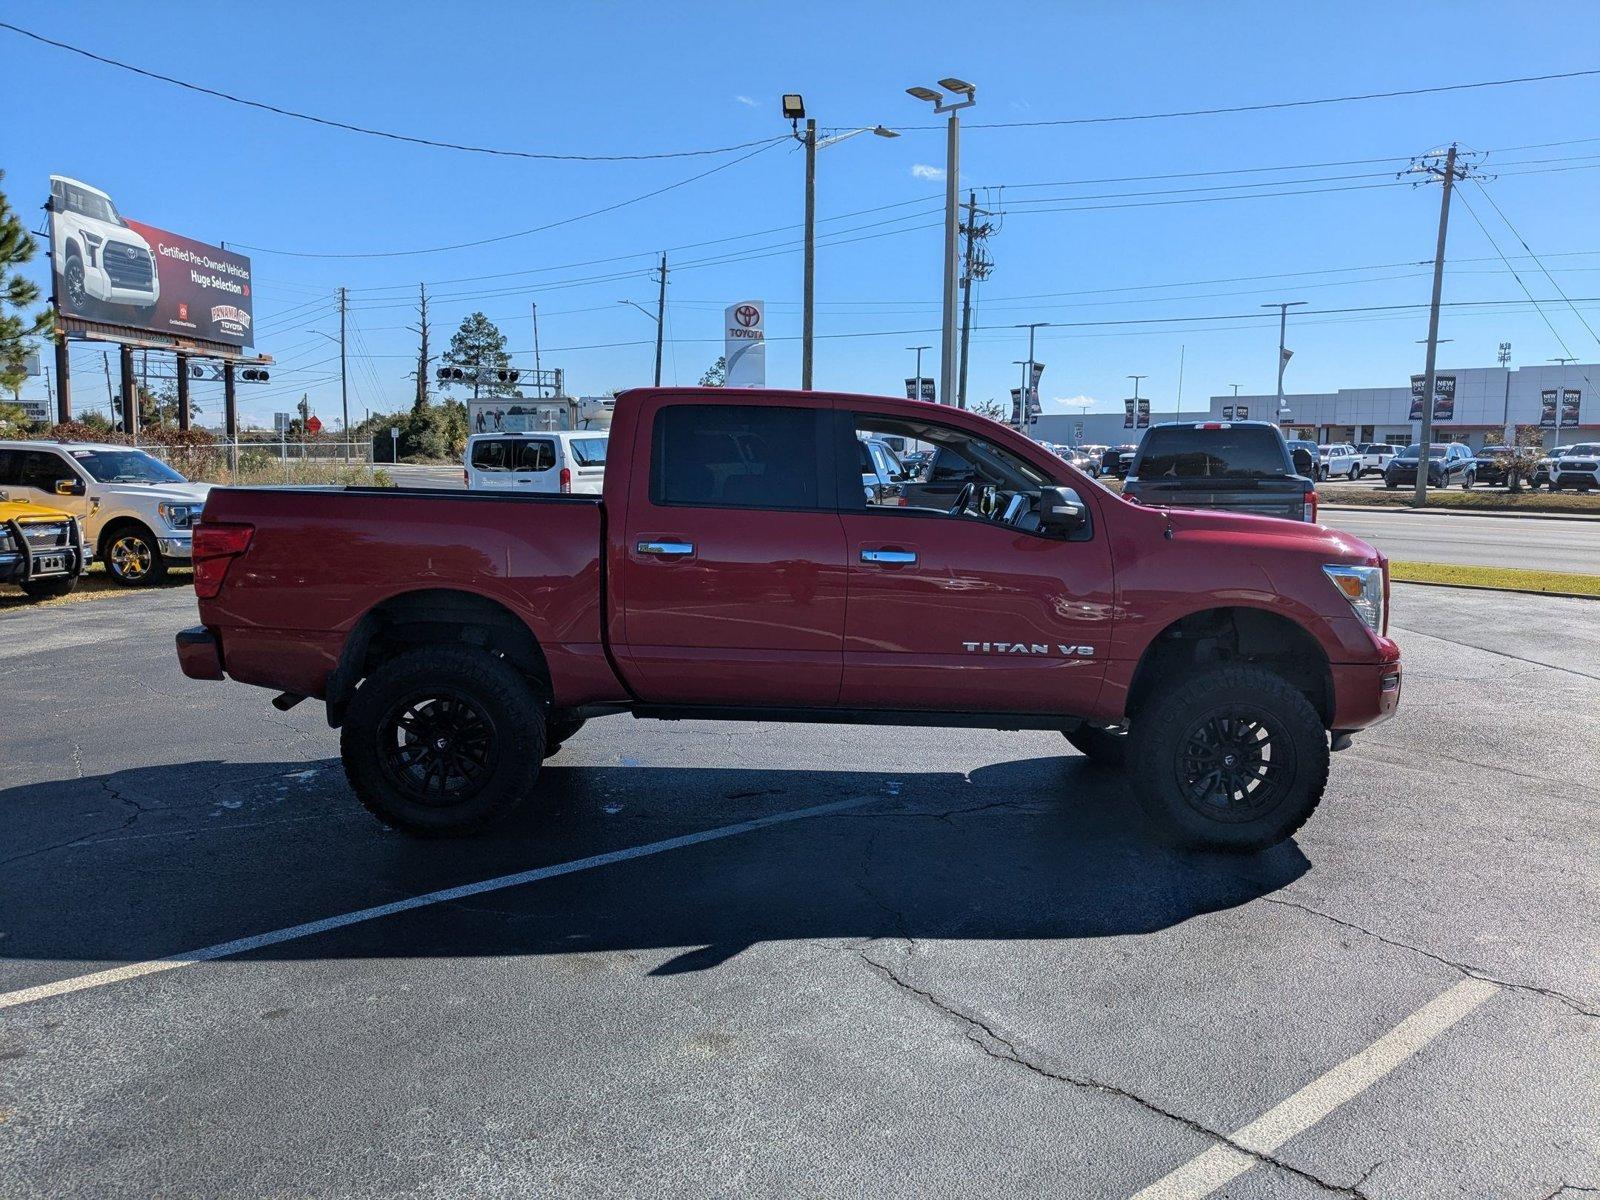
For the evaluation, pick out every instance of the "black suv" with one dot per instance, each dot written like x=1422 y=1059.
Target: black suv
x=1448 y=462
x=1241 y=466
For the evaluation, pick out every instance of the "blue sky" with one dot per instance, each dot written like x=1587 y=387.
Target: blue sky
x=634 y=78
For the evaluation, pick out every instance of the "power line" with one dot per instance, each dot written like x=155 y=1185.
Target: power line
x=379 y=133
x=1277 y=104
x=1487 y=195
x=505 y=237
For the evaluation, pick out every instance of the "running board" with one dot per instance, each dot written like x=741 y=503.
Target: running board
x=857 y=716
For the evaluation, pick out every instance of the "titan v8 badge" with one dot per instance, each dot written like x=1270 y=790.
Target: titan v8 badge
x=1028 y=648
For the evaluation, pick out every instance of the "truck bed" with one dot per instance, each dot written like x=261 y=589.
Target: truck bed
x=321 y=558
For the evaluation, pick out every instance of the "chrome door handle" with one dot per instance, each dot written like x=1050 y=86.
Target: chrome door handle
x=666 y=549
x=889 y=556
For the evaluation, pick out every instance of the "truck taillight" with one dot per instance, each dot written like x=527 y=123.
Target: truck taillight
x=466 y=477
x=1311 y=507
x=566 y=481
x=215 y=547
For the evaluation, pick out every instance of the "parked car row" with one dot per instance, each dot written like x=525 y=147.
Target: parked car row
x=132 y=511
x=1448 y=462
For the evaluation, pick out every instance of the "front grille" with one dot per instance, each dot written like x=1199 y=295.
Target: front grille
x=1577 y=466
x=128 y=266
x=41 y=535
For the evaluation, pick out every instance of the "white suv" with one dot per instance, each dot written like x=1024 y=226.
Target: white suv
x=563 y=462
x=1578 y=468
x=137 y=512
x=97 y=256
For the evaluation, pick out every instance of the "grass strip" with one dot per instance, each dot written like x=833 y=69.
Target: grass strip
x=1505 y=579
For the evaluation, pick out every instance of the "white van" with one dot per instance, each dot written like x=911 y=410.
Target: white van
x=567 y=462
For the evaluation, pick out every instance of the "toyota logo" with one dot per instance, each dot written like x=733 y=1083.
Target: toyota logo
x=747 y=315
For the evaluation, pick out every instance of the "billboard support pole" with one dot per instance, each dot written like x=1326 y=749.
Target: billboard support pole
x=63 y=379
x=230 y=416
x=183 y=393
x=130 y=398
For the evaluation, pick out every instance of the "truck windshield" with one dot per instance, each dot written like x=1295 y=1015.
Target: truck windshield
x=125 y=466
x=1184 y=452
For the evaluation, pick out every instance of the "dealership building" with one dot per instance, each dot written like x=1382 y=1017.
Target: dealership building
x=1470 y=404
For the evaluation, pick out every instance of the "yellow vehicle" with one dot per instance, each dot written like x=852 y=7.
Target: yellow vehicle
x=41 y=548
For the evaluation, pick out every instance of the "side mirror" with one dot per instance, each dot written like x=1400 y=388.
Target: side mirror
x=70 y=487
x=1062 y=511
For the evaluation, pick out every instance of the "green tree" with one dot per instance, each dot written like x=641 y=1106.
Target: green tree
x=16 y=296
x=480 y=346
x=716 y=374
x=14 y=420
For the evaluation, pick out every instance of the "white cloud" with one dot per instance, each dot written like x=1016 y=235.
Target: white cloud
x=1069 y=404
x=924 y=171
x=748 y=102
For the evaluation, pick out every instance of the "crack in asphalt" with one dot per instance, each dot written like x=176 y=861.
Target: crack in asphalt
x=139 y=810
x=1569 y=1187
x=1468 y=762
x=1572 y=1002
x=1532 y=662
x=1002 y=1049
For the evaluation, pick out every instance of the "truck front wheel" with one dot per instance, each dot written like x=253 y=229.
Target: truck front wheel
x=1232 y=758
x=443 y=741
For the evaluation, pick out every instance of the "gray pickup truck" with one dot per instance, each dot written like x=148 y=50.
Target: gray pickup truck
x=1240 y=466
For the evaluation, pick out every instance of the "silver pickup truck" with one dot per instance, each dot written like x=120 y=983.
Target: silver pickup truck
x=1239 y=466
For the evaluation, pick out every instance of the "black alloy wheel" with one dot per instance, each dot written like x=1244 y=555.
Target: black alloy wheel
x=77 y=293
x=437 y=749
x=1235 y=763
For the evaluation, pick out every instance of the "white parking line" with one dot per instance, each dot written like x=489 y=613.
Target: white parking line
x=1220 y=1165
x=154 y=966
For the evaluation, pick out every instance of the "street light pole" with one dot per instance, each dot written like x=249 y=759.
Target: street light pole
x=1027 y=379
x=952 y=222
x=919 y=350
x=1283 y=329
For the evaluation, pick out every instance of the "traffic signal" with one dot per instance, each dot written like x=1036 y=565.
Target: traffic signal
x=255 y=375
x=451 y=375
x=196 y=371
x=507 y=375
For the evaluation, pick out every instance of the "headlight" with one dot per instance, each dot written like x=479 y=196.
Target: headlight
x=1363 y=587
x=179 y=516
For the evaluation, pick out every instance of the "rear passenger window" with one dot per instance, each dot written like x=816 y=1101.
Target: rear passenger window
x=514 y=454
x=737 y=456
x=1184 y=452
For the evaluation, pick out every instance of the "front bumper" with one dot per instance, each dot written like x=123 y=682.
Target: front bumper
x=1365 y=694
x=199 y=653
x=176 y=547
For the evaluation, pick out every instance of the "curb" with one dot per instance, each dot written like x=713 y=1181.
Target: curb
x=1456 y=512
x=1479 y=587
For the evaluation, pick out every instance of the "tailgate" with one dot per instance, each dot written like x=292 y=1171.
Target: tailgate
x=1267 y=499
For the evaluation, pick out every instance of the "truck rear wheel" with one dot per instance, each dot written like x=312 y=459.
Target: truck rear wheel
x=1103 y=747
x=443 y=741
x=1232 y=758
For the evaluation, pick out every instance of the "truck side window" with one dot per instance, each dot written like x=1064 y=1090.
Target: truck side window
x=10 y=468
x=736 y=456
x=40 y=469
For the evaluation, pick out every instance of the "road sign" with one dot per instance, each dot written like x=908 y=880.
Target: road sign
x=314 y=425
x=280 y=422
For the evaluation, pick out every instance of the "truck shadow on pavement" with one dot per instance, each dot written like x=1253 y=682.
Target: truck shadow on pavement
x=159 y=861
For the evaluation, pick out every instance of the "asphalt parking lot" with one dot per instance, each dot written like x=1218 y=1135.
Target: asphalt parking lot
x=780 y=960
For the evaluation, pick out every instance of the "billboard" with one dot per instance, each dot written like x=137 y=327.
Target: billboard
x=1127 y=414
x=117 y=271
x=1571 y=400
x=920 y=389
x=1444 y=397
x=744 y=344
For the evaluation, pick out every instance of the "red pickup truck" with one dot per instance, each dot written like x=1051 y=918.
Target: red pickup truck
x=736 y=567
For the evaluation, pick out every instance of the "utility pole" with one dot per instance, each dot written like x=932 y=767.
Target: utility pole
x=661 y=314
x=344 y=386
x=538 y=375
x=421 y=328
x=977 y=267
x=111 y=400
x=1448 y=173
x=1504 y=358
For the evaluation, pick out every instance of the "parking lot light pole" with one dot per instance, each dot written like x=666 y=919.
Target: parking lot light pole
x=1027 y=379
x=1283 y=308
x=952 y=223
x=919 y=350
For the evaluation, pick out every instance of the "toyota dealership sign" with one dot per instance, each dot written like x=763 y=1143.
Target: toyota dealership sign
x=745 y=343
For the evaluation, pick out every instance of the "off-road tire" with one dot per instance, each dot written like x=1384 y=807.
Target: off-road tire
x=49 y=589
x=1103 y=747
x=132 y=543
x=497 y=696
x=1162 y=732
